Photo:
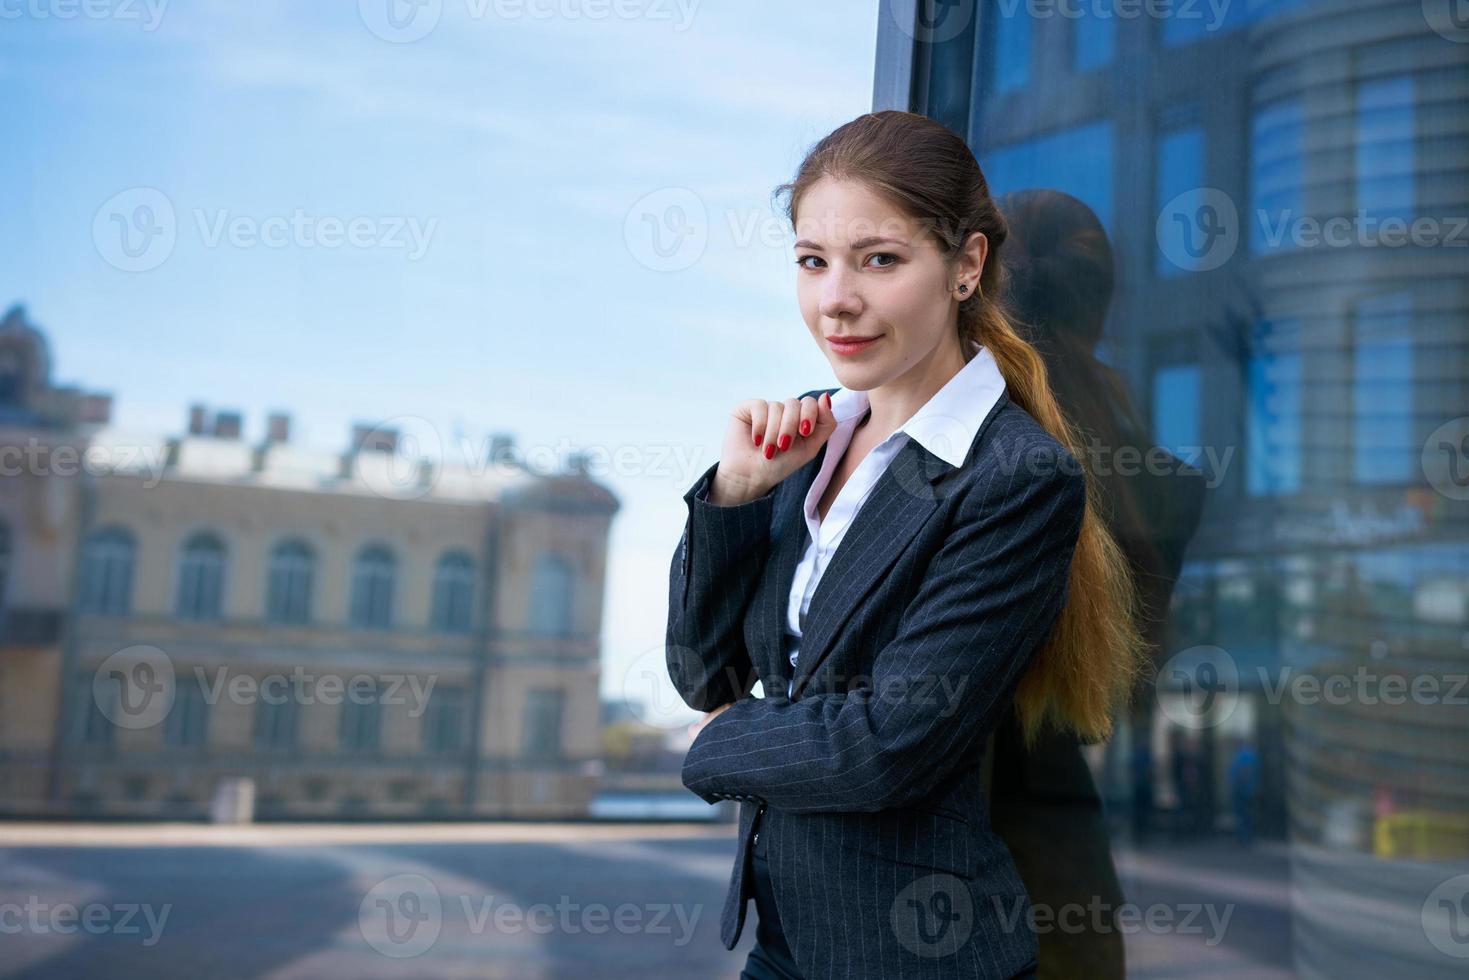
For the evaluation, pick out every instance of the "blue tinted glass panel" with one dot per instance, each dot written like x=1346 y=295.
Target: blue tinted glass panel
x=1077 y=161
x=1180 y=168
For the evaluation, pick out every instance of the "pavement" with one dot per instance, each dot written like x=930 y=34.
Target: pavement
x=528 y=901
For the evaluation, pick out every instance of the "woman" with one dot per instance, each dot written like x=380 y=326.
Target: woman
x=896 y=560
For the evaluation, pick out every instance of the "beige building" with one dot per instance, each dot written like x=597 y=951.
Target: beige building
x=366 y=633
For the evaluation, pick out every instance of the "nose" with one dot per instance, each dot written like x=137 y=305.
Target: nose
x=839 y=294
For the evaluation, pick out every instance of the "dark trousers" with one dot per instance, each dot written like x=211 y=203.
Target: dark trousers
x=770 y=958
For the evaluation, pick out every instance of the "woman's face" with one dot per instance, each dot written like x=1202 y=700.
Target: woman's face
x=865 y=270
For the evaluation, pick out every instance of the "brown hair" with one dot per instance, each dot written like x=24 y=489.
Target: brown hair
x=1086 y=668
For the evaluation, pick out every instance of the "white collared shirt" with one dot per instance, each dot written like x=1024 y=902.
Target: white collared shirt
x=945 y=426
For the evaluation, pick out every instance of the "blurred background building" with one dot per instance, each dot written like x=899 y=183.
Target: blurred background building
x=368 y=633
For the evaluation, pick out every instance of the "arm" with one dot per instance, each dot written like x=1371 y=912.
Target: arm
x=715 y=571
x=713 y=576
x=989 y=598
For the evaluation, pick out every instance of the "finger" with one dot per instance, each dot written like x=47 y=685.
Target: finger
x=772 y=427
x=790 y=417
x=810 y=415
x=758 y=412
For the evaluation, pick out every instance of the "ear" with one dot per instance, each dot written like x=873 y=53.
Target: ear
x=973 y=254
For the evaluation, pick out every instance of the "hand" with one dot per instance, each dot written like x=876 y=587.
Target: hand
x=752 y=460
x=708 y=717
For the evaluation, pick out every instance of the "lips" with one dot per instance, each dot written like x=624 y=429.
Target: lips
x=852 y=345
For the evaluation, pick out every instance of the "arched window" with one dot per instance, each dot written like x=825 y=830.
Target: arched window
x=201 y=577
x=553 y=587
x=453 y=606
x=107 y=572
x=373 y=574
x=289 y=582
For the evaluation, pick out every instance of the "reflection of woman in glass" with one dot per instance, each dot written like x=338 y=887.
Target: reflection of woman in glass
x=1046 y=805
x=897 y=559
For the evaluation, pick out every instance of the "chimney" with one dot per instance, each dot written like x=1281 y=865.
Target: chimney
x=227 y=425
x=278 y=427
x=95 y=408
x=373 y=438
x=502 y=448
x=198 y=419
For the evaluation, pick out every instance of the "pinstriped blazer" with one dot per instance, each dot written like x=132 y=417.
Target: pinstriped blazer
x=867 y=779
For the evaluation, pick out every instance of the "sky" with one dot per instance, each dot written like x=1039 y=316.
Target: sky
x=549 y=218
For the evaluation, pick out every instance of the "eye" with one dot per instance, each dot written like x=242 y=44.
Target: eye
x=887 y=255
x=802 y=261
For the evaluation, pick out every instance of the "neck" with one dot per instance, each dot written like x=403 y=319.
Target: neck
x=892 y=404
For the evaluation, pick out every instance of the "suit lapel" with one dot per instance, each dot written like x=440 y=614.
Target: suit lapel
x=789 y=537
x=903 y=498
x=901 y=501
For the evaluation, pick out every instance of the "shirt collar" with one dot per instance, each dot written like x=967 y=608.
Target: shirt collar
x=948 y=422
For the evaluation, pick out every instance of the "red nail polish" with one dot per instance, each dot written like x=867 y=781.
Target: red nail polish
x=759 y=438
x=770 y=450
x=805 y=428
x=785 y=443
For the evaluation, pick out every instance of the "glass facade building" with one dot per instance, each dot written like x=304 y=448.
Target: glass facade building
x=1285 y=189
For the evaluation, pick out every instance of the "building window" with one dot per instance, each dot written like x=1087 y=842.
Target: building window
x=444 y=720
x=187 y=722
x=107 y=573
x=1273 y=410
x=361 y=718
x=1176 y=410
x=1384 y=148
x=201 y=577
x=1179 y=168
x=93 y=726
x=4 y=561
x=1277 y=175
x=277 y=720
x=553 y=586
x=1190 y=23
x=1382 y=390
x=373 y=574
x=1077 y=161
x=453 y=605
x=288 y=589
x=1093 y=38
x=542 y=736
x=1010 y=50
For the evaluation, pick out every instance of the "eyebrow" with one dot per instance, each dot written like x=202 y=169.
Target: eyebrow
x=855 y=246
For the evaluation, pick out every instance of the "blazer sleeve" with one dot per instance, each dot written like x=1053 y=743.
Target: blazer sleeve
x=711 y=581
x=714 y=573
x=990 y=595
